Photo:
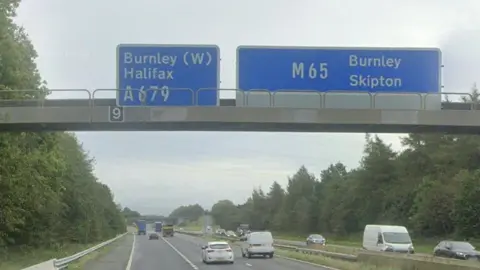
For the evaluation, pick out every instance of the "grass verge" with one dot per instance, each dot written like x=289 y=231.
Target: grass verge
x=79 y=264
x=192 y=228
x=17 y=260
x=325 y=261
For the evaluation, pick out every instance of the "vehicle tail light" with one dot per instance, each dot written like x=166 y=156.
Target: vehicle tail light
x=229 y=250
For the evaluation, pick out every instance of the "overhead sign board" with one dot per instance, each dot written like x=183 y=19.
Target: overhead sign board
x=167 y=75
x=372 y=70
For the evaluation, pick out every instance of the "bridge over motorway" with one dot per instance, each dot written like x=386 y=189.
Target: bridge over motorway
x=103 y=114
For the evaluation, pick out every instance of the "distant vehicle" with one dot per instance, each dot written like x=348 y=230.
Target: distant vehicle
x=457 y=250
x=242 y=229
x=387 y=238
x=168 y=230
x=258 y=243
x=217 y=252
x=220 y=232
x=153 y=236
x=316 y=239
x=141 y=227
x=158 y=226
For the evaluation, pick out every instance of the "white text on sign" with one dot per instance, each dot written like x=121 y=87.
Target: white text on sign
x=143 y=93
x=373 y=82
x=313 y=71
x=161 y=67
x=309 y=71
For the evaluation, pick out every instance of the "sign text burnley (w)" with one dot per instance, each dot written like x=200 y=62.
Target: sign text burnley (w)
x=344 y=69
x=167 y=75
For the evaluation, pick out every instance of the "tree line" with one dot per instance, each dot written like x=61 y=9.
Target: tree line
x=190 y=212
x=49 y=195
x=432 y=186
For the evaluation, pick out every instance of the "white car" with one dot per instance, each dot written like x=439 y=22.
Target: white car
x=217 y=252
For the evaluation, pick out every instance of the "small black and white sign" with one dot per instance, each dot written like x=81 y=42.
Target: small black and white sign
x=115 y=114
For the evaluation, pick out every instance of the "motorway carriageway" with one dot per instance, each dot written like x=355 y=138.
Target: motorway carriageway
x=182 y=252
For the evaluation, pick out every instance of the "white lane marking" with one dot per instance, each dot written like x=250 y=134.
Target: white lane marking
x=247 y=264
x=129 y=263
x=181 y=254
x=305 y=262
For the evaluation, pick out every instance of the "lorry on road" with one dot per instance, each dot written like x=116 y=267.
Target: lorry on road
x=158 y=226
x=141 y=227
x=168 y=230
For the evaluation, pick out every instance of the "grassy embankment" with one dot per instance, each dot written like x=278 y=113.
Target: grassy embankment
x=19 y=259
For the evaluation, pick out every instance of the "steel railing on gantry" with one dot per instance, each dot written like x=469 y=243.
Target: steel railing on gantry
x=252 y=98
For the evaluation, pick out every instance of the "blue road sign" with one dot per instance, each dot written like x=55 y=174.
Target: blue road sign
x=167 y=75
x=346 y=69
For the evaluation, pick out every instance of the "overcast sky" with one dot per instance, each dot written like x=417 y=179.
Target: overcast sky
x=158 y=171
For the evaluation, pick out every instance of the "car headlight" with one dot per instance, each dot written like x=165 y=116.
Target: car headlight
x=460 y=254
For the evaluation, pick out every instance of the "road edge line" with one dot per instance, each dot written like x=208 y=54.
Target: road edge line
x=305 y=262
x=181 y=254
x=130 y=259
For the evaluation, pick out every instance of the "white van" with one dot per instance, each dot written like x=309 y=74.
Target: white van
x=258 y=243
x=387 y=238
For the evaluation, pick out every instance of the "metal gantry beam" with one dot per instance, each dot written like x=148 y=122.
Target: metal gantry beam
x=99 y=114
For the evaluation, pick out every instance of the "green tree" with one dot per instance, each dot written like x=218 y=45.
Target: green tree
x=49 y=196
x=225 y=213
x=190 y=212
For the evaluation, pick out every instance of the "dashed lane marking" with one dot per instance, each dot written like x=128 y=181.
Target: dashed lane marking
x=181 y=254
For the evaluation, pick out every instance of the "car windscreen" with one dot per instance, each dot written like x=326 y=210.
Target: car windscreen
x=219 y=246
x=397 y=238
x=316 y=236
x=462 y=246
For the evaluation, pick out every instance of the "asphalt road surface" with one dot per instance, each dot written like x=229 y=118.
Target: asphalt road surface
x=182 y=252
